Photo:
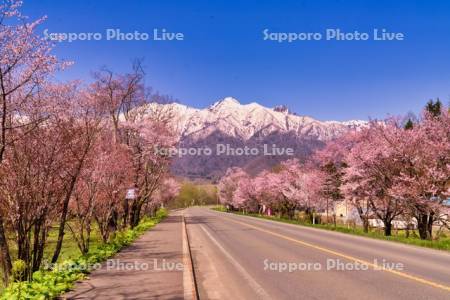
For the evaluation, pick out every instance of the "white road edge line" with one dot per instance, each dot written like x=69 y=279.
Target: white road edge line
x=189 y=289
x=253 y=284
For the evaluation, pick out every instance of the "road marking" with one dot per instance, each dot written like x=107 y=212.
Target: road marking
x=253 y=284
x=398 y=273
x=189 y=287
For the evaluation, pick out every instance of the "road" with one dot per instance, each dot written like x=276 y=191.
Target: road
x=238 y=257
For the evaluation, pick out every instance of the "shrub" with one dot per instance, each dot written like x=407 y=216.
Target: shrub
x=48 y=284
x=18 y=270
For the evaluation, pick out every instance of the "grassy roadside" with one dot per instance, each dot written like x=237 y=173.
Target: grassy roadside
x=49 y=284
x=442 y=244
x=69 y=249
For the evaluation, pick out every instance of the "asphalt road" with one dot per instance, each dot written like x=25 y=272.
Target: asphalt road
x=238 y=257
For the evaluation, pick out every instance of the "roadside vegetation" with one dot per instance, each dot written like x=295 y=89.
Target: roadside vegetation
x=443 y=243
x=392 y=174
x=78 y=165
x=195 y=193
x=53 y=280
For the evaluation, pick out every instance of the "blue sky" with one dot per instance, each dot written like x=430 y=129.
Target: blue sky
x=223 y=52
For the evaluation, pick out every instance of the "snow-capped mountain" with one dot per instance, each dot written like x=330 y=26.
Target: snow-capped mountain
x=248 y=120
x=228 y=122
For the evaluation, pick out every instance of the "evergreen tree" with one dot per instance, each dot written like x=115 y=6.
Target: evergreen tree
x=409 y=125
x=434 y=107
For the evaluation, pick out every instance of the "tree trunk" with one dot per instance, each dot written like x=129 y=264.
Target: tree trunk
x=425 y=226
x=365 y=221
x=430 y=225
x=23 y=251
x=363 y=214
x=112 y=222
x=132 y=213
x=40 y=253
x=62 y=222
x=4 y=253
x=153 y=211
x=135 y=214
x=36 y=246
x=387 y=228
x=423 y=234
x=88 y=235
x=125 y=213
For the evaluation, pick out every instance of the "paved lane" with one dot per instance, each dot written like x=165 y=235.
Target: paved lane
x=144 y=270
x=238 y=257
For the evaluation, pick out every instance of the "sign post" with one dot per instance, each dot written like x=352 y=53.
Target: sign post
x=131 y=194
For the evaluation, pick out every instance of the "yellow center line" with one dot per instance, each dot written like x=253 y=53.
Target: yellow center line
x=351 y=258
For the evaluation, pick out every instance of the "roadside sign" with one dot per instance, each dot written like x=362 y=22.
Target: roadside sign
x=131 y=194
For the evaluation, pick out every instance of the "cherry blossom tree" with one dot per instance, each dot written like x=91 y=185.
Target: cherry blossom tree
x=269 y=191
x=228 y=185
x=120 y=95
x=25 y=64
x=331 y=164
x=166 y=192
x=374 y=165
x=33 y=180
x=80 y=122
x=30 y=189
x=424 y=181
x=290 y=187
x=352 y=185
x=301 y=186
x=100 y=190
x=81 y=209
x=385 y=170
x=125 y=100
x=114 y=175
x=284 y=189
x=247 y=194
x=150 y=166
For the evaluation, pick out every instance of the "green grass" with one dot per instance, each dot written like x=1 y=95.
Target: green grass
x=72 y=266
x=443 y=243
x=220 y=208
x=69 y=247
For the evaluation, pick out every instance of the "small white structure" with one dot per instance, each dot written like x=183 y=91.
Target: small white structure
x=131 y=194
x=346 y=212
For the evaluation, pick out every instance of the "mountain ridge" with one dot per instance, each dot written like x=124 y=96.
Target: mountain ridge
x=229 y=111
x=229 y=122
